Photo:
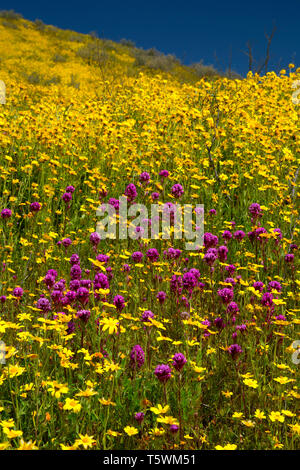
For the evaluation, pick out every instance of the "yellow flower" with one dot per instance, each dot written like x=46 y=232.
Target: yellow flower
x=248 y=423
x=89 y=392
x=106 y=402
x=251 y=383
x=157 y=431
x=27 y=445
x=131 y=431
x=159 y=410
x=238 y=415
x=288 y=413
x=14 y=370
x=73 y=405
x=276 y=416
x=227 y=394
x=85 y=440
x=283 y=380
x=168 y=420
x=4 y=445
x=12 y=433
x=7 y=424
x=57 y=389
x=110 y=324
x=259 y=414
x=110 y=432
x=73 y=447
x=295 y=428
x=227 y=447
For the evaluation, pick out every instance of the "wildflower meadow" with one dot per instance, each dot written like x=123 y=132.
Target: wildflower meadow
x=138 y=342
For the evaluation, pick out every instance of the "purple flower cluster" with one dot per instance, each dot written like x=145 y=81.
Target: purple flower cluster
x=137 y=357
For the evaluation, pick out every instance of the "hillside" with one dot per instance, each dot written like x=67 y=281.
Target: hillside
x=140 y=343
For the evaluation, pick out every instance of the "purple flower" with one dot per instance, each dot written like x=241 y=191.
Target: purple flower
x=101 y=281
x=82 y=295
x=67 y=197
x=75 y=272
x=119 y=302
x=85 y=283
x=131 y=192
x=66 y=242
x=255 y=210
x=227 y=235
x=102 y=258
x=251 y=236
x=219 y=322
x=84 y=315
x=35 y=206
x=144 y=177
x=56 y=296
x=18 y=292
x=173 y=428
x=163 y=373
x=95 y=238
x=239 y=235
x=49 y=280
x=74 y=259
x=258 y=285
x=161 y=297
x=232 y=308
x=137 y=356
x=43 y=304
x=241 y=328
x=176 y=283
x=155 y=196
x=281 y=318
x=126 y=268
x=177 y=190
x=146 y=315
x=210 y=257
x=274 y=285
x=139 y=417
x=114 y=203
x=210 y=240
x=137 y=256
x=230 y=280
x=260 y=231
x=74 y=284
x=164 y=173
x=6 y=213
x=267 y=299
x=70 y=189
x=230 y=269
x=71 y=295
x=178 y=361
x=152 y=254
x=289 y=258
x=222 y=253
x=226 y=295
x=189 y=281
x=71 y=328
x=235 y=350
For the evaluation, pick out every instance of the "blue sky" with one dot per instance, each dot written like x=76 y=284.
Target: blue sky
x=193 y=30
